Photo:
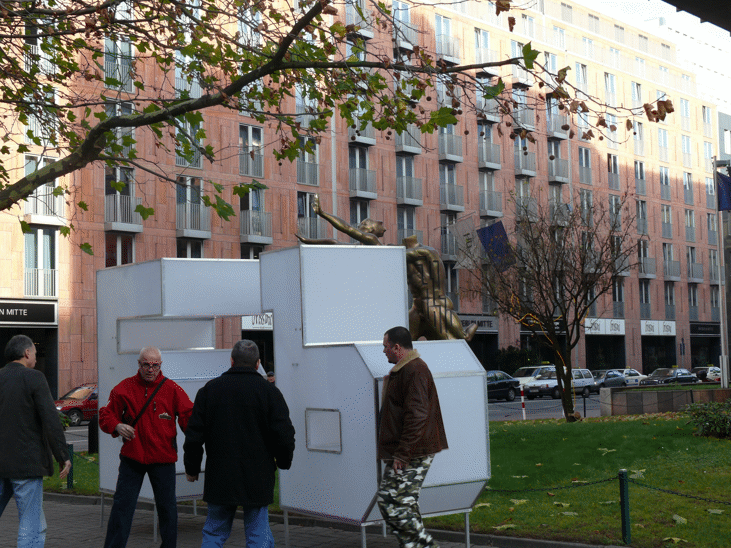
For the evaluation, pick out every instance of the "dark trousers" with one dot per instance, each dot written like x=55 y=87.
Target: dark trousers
x=129 y=483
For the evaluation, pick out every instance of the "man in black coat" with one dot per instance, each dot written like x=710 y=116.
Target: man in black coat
x=31 y=430
x=243 y=421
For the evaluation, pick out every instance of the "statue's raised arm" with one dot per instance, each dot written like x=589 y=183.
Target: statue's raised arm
x=367 y=233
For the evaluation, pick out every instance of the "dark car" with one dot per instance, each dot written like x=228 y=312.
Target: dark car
x=501 y=386
x=80 y=404
x=606 y=378
x=669 y=375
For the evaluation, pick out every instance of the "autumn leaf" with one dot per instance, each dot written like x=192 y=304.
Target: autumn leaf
x=518 y=501
x=680 y=520
x=503 y=527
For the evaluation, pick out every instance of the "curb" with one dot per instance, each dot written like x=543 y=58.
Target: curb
x=479 y=539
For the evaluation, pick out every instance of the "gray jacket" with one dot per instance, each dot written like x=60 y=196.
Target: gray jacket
x=30 y=429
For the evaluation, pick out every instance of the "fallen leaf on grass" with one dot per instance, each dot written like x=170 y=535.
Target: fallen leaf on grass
x=569 y=513
x=520 y=476
x=637 y=474
x=674 y=540
x=680 y=520
x=714 y=511
x=609 y=502
x=539 y=464
x=518 y=501
x=482 y=504
x=550 y=494
x=604 y=450
x=503 y=527
x=562 y=504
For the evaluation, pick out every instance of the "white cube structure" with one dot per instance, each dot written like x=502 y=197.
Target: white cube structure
x=331 y=306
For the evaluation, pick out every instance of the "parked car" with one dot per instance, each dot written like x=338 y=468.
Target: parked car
x=501 y=386
x=632 y=376
x=607 y=378
x=80 y=404
x=545 y=384
x=707 y=374
x=530 y=373
x=669 y=375
x=583 y=382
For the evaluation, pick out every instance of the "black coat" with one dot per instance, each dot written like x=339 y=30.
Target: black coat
x=243 y=421
x=30 y=428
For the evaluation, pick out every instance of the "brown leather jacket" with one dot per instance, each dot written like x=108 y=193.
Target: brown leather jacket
x=411 y=419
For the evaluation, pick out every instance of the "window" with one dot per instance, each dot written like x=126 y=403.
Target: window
x=693 y=295
x=639 y=170
x=614 y=58
x=636 y=93
x=189 y=249
x=643 y=43
x=482 y=41
x=40 y=262
x=594 y=23
x=358 y=211
x=640 y=66
x=551 y=62
x=187 y=144
x=618 y=290
x=252 y=200
x=566 y=13
x=685 y=144
x=610 y=86
x=662 y=138
x=584 y=157
x=307 y=163
x=587 y=200
x=715 y=297
x=307 y=220
x=251 y=159
x=120 y=249
x=615 y=211
x=619 y=34
x=36 y=55
x=191 y=213
x=528 y=25
x=42 y=201
x=710 y=187
x=447 y=174
x=559 y=37
x=664 y=176
x=685 y=108
x=118 y=64
x=667 y=252
x=663 y=77
x=582 y=78
x=670 y=293
x=666 y=52
x=690 y=255
x=706 y=112
x=644 y=291
x=405 y=219
x=42 y=123
x=642 y=216
x=613 y=163
x=687 y=181
x=249 y=21
x=123 y=137
x=689 y=218
x=639 y=133
x=588 y=44
x=726 y=141
x=249 y=251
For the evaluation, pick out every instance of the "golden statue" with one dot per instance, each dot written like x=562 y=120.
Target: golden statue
x=432 y=314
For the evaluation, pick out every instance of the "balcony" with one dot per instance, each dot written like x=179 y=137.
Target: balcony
x=647 y=267
x=613 y=181
x=671 y=270
x=687 y=159
x=665 y=192
x=526 y=208
x=304 y=109
x=525 y=118
x=521 y=77
x=525 y=163
x=715 y=275
x=690 y=234
x=195 y=159
x=311 y=227
x=256 y=227
x=308 y=173
x=555 y=124
x=558 y=170
x=402 y=233
x=641 y=226
x=621 y=265
x=639 y=147
x=41 y=282
x=120 y=214
x=251 y=162
x=641 y=186
x=693 y=313
x=409 y=191
x=406 y=36
x=688 y=195
x=364 y=136
x=491 y=203
x=448 y=49
x=695 y=273
x=43 y=208
x=618 y=309
x=484 y=55
x=488 y=155
x=120 y=69
x=356 y=14
x=670 y=312
x=708 y=165
x=192 y=221
x=715 y=314
x=710 y=201
x=685 y=123
x=663 y=153
x=451 y=198
x=645 y=311
x=712 y=237
x=36 y=56
x=449 y=247
x=450 y=147
x=409 y=141
x=362 y=183
x=489 y=107
x=667 y=230
x=585 y=175
x=560 y=213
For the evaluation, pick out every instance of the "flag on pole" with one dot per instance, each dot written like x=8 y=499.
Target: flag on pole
x=495 y=241
x=724 y=192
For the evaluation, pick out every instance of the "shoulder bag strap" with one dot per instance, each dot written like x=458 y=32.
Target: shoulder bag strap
x=158 y=387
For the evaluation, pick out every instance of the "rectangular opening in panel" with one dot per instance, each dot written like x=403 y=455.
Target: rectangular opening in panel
x=322 y=430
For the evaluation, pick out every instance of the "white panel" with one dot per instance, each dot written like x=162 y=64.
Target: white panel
x=130 y=290
x=203 y=287
x=133 y=334
x=352 y=293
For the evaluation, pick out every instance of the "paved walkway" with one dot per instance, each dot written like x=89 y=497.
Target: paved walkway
x=76 y=521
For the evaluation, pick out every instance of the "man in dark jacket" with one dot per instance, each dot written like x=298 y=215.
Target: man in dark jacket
x=149 y=445
x=244 y=423
x=30 y=424
x=410 y=433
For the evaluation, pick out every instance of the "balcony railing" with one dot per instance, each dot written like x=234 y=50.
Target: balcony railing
x=491 y=203
x=449 y=246
x=559 y=213
x=712 y=237
x=555 y=124
x=365 y=135
x=639 y=147
x=405 y=35
x=451 y=197
x=690 y=234
x=191 y=216
x=36 y=56
x=665 y=192
x=715 y=314
x=489 y=107
x=663 y=153
x=558 y=170
x=525 y=163
x=671 y=269
x=121 y=209
x=585 y=175
x=409 y=140
x=695 y=271
x=645 y=311
x=402 y=233
x=358 y=17
x=526 y=208
x=669 y=311
x=525 y=117
x=255 y=223
x=641 y=186
x=43 y=202
x=251 y=162
x=618 y=309
x=41 y=282
x=122 y=72
x=448 y=48
x=488 y=155
x=308 y=173
x=714 y=275
x=707 y=129
x=450 y=147
x=688 y=195
x=409 y=191
x=667 y=230
x=195 y=159
x=311 y=227
x=693 y=313
x=484 y=55
x=685 y=123
x=642 y=226
x=647 y=266
x=708 y=165
x=182 y=85
x=613 y=181
x=362 y=182
x=710 y=201
x=687 y=159
x=521 y=76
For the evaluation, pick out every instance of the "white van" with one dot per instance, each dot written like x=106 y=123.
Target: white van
x=530 y=373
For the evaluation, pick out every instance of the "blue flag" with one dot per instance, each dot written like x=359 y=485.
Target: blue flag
x=495 y=241
x=724 y=192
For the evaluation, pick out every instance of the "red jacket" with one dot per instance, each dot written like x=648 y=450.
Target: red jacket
x=155 y=432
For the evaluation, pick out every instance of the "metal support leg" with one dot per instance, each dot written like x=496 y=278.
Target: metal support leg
x=286 y=528
x=363 y=535
x=467 y=530
x=195 y=507
x=101 y=515
x=385 y=530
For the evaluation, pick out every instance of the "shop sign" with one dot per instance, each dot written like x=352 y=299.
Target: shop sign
x=259 y=322
x=705 y=329
x=655 y=328
x=21 y=312
x=485 y=324
x=604 y=326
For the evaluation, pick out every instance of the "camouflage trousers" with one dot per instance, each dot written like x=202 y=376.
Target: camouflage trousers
x=398 y=501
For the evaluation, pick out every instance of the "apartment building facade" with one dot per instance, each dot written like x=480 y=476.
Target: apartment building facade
x=665 y=312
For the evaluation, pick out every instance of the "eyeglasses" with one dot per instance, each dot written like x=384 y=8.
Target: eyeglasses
x=150 y=365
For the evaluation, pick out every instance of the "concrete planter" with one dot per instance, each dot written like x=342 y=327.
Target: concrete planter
x=636 y=401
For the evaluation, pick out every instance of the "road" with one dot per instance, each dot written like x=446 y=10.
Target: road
x=539 y=408
x=79 y=436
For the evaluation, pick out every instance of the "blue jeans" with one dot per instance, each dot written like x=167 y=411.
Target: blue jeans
x=129 y=483
x=220 y=519
x=29 y=500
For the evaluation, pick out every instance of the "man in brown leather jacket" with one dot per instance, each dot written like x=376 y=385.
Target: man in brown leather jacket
x=411 y=432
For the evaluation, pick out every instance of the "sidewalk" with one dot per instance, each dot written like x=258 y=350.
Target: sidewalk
x=75 y=521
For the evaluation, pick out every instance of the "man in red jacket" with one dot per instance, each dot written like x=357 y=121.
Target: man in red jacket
x=142 y=410
x=410 y=433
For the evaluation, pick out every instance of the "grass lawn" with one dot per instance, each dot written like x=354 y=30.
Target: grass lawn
x=548 y=482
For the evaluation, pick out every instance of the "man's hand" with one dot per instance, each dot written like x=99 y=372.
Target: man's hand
x=191 y=478
x=65 y=470
x=125 y=430
x=398 y=465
